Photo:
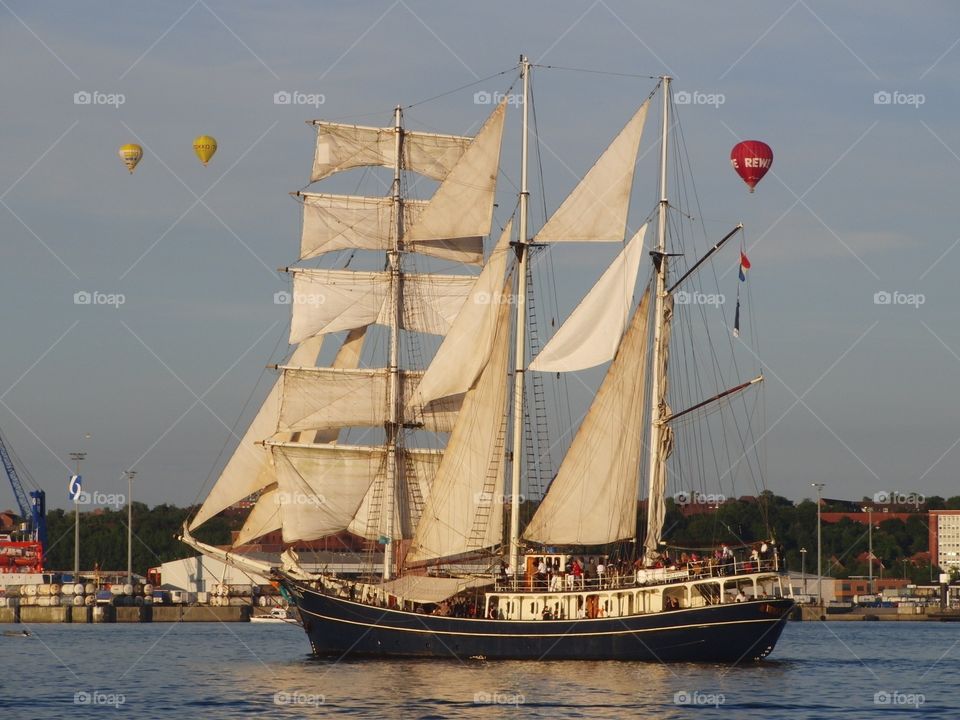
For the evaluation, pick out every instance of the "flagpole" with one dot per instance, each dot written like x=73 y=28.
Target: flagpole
x=76 y=457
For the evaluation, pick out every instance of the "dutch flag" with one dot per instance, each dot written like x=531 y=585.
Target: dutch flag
x=744 y=266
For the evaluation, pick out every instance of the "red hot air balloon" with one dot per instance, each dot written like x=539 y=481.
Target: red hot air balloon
x=751 y=159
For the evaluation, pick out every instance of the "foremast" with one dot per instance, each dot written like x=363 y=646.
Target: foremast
x=662 y=314
x=522 y=252
x=393 y=396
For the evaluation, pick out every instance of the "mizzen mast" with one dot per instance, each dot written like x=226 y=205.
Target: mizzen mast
x=661 y=339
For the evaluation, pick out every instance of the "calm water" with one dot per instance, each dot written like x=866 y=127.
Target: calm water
x=226 y=671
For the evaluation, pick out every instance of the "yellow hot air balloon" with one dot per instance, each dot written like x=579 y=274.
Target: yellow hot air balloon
x=130 y=154
x=205 y=146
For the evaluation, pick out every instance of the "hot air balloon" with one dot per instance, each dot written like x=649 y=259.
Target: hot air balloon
x=751 y=159
x=205 y=146
x=130 y=154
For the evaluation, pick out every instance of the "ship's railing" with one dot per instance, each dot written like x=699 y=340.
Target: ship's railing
x=644 y=577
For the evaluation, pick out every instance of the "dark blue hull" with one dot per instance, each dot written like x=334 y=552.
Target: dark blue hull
x=729 y=633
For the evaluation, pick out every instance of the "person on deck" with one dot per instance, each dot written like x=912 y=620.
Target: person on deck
x=577 y=573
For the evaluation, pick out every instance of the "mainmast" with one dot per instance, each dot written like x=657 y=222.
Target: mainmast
x=396 y=289
x=521 y=327
x=658 y=378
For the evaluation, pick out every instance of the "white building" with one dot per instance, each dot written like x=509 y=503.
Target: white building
x=797 y=584
x=945 y=538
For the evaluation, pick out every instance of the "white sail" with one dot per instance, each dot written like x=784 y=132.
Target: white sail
x=466 y=348
x=325 y=398
x=465 y=511
x=596 y=210
x=321 y=487
x=347 y=222
x=656 y=502
x=264 y=517
x=370 y=520
x=462 y=207
x=326 y=301
x=591 y=335
x=250 y=468
x=341 y=147
x=593 y=499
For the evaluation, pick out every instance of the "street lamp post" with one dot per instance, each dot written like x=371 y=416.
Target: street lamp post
x=869 y=510
x=803 y=568
x=76 y=457
x=819 y=487
x=130 y=476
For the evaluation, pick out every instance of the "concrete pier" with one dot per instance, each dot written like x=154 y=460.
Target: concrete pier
x=81 y=614
x=133 y=614
x=34 y=614
x=813 y=613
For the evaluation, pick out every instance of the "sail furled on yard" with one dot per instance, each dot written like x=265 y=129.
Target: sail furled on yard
x=656 y=502
x=464 y=512
x=593 y=499
x=596 y=210
x=467 y=346
x=341 y=147
x=591 y=334
x=326 y=301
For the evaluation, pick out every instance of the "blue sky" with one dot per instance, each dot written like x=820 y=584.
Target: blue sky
x=861 y=200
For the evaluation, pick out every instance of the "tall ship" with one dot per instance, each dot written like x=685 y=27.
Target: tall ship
x=413 y=409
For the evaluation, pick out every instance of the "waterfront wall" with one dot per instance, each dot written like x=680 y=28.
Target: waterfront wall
x=34 y=615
